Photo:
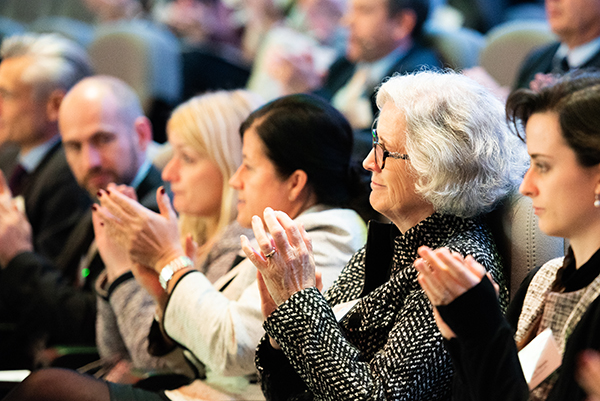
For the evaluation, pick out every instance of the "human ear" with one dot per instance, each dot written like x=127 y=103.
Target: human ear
x=53 y=102
x=296 y=184
x=143 y=128
x=404 y=24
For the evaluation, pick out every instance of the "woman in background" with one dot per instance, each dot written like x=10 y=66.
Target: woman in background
x=207 y=150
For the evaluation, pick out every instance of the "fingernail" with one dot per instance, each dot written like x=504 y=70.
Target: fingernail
x=162 y=190
x=102 y=224
x=108 y=192
x=94 y=207
x=99 y=193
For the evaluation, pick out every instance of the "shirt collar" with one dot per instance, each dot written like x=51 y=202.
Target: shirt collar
x=141 y=174
x=33 y=157
x=579 y=55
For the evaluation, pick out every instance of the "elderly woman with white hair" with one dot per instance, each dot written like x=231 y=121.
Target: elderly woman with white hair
x=442 y=157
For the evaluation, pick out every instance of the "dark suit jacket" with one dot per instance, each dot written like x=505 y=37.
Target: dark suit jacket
x=42 y=304
x=541 y=59
x=54 y=202
x=342 y=70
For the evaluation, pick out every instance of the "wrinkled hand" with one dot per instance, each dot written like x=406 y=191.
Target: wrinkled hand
x=588 y=374
x=15 y=230
x=295 y=73
x=292 y=267
x=151 y=239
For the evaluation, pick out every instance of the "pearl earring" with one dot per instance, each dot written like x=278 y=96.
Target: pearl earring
x=597 y=200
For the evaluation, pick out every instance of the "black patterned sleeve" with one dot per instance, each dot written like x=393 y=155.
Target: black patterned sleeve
x=411 y=365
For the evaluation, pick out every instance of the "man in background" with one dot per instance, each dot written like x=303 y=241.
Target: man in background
x=105 y=136
x=35 y=73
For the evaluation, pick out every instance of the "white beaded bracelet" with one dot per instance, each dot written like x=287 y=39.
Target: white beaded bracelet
x=171 y=268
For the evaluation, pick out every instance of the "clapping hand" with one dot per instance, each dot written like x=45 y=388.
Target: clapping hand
x=285 y=261
x=15 y=230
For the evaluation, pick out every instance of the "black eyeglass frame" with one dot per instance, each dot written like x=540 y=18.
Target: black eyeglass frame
x=386 y=153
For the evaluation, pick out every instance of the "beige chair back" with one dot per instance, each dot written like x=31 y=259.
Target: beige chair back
x=521 y=243
x=507 y=45
x=458 y=48
x=144 y=56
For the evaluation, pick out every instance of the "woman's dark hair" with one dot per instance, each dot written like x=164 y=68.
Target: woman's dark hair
x=575 y=98
x=304 y=132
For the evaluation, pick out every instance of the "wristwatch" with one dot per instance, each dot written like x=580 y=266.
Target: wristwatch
x=173 y=266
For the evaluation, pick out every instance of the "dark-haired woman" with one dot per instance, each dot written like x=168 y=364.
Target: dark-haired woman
x=296 y=157
x=442 y=155
x=562 y=128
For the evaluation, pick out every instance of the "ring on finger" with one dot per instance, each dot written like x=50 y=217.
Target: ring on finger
x=268 y=255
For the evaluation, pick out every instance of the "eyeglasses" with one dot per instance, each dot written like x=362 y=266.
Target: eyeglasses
x=381 y=153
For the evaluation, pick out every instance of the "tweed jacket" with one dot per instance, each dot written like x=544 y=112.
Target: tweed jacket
x=387 y=347
x=490 y=369
x=126 y=313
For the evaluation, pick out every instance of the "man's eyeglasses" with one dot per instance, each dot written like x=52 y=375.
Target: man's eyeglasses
x=381 y=153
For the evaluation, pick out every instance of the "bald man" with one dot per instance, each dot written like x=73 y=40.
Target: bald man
x=105 y=136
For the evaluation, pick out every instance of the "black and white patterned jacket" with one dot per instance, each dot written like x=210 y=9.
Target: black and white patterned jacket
x=387 y=347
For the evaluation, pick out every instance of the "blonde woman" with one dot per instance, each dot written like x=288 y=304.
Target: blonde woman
x=204 y=135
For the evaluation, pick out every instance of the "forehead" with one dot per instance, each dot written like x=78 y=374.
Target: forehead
x=11 y=70
x=370 y=4
x=80 y=120
x=252 y=146
x=544 y=135
x=391 y=125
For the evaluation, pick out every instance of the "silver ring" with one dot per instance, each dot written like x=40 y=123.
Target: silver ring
x=268 y=255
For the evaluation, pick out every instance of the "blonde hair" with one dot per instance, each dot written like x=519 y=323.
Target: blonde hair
x=209 y=123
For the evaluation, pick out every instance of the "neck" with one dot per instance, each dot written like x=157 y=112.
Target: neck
x=584 y=248
x=406 y=222
x=301 y=205
x=573 y=41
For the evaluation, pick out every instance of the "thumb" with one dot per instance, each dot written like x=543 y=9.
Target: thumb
x=4 y=189
x=190 y=246
x=164 y=204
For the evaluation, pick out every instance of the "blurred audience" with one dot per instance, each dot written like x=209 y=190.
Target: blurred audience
x=383 y=40
x=105 y=136
x=312 y=31
x=108 y=11
x=577 y=25
x=442 y=155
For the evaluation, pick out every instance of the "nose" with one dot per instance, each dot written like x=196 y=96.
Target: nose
x=369 y=162
x=92 y=157
x=169 y=172
x=235 y=182
x=527 y=186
